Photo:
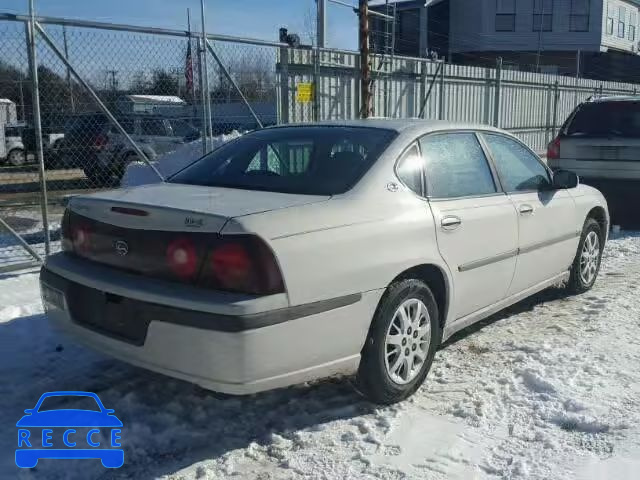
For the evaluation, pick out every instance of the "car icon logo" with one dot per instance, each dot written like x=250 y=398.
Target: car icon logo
x=52 y=430
x=122 y=247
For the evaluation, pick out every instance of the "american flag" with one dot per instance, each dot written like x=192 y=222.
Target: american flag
x=188 y=70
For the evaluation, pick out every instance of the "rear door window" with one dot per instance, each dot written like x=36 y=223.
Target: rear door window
x=605 y=120
x=456 y=166
x=153 y=127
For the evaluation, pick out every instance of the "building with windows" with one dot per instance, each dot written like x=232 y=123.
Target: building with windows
x=592 y=38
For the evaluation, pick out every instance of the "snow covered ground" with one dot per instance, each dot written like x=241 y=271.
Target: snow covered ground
x=549 y=389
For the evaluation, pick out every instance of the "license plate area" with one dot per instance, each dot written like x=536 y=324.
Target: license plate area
x=52 y=298
x=108 y=314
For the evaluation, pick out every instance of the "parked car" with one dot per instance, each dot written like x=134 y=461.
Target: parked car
x=154 y=135
x=298 y=252
x=600 y=141
x=94 y=144
x=83 y=138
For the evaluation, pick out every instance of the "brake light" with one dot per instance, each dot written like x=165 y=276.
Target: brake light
x=243 y=264
x=65 y=233
x=553 y=150
x=182 y=258
x=81 y=238
x=231 y=265
x=100 y=141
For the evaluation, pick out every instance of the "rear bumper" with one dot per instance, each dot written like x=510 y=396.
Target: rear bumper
x=220 y=352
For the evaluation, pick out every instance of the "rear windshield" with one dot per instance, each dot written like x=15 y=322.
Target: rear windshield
x=303 y=160
x=606 y=119
x=13 y=131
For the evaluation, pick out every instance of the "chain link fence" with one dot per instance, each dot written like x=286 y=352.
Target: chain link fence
x=113 y=99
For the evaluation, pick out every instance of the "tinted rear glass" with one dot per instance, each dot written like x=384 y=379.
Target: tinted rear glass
x=303 y=160
x=606 y=119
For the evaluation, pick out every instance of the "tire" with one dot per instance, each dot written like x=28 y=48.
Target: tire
x=588 y=258
x=98 y=177
x=17 y=157
x=377 y=379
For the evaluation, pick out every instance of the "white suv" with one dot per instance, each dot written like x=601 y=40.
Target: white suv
x=297 y=252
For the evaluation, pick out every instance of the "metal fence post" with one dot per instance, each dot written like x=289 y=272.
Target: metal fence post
x=203 y=98
x=284 y=85
x=556 y=100
x=316 y=77
x=33 y=67
x=205 y=73
x=497 y=100
x=441 y=104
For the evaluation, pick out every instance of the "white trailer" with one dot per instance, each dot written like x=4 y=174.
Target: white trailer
x=7 y=116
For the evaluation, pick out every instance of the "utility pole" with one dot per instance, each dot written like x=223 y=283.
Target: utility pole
x=540 y=27
x=365 y=70
x=321 y=23
x=22 y=106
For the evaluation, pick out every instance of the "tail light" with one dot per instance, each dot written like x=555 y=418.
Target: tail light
x=100 y=141
x=81 y=238
x=243 y=264
x=182 y=258
x=553 y=150
x=65 y=233
x=234 y=263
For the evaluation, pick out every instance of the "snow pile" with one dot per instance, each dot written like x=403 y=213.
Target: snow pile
x=139 y=173
x=549 y=389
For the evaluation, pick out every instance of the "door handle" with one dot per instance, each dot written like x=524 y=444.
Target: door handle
x=526 y=209
x=450 y=222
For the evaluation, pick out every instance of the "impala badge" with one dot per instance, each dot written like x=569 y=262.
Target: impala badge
x=193 y=222
x=122 y=247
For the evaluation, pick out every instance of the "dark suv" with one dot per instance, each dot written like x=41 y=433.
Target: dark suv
x=95 y=145
x=600 y=141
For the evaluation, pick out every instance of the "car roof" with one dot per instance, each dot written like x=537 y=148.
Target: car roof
x=413 y=125
x=613 y=98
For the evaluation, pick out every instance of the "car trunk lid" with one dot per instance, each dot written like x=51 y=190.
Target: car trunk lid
x=175 y=207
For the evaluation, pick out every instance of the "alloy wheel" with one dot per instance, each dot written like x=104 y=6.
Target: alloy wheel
x=407 y=341
x=590 y=258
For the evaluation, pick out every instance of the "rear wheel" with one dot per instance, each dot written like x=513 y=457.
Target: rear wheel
x=98 y=176
x=401 y=345
x=17 y=157
x=586 y=265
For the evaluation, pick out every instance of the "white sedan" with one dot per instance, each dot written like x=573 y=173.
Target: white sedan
x=303 y=251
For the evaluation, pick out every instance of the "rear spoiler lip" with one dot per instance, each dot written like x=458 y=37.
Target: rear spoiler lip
x=192 y=220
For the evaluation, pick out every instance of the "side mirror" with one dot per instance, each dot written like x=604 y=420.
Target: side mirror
x=564 y=179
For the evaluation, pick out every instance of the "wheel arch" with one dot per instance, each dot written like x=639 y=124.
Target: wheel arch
x=436 y=279
x=599 y=215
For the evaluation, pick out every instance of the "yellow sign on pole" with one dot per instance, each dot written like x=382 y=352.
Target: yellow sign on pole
x=304 y=92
